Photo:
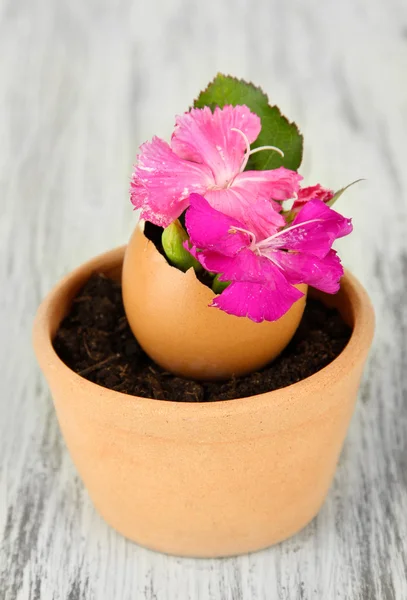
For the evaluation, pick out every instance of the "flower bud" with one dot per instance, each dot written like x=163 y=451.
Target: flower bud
x=173 y=238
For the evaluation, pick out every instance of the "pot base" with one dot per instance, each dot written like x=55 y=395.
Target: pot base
x=178 y=550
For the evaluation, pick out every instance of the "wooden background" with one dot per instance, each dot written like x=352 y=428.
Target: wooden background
x=82 y=84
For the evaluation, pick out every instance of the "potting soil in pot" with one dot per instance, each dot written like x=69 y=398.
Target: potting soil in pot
x=96 y=342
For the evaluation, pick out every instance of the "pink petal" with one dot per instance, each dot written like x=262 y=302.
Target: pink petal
x=162 y=182
x=276 y=184
x=244 y=266
x=313 y=231
x=258 y=215
x=250 y=199
x=207 y=138
x=209 y=229
x=321 y=273
x=257 y=301
x=313 y=192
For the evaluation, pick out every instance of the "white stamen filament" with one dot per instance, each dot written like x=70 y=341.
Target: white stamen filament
x=266 y=242
x=244 y=136
x=251 y=235
x=267 y=148
x=249 y=152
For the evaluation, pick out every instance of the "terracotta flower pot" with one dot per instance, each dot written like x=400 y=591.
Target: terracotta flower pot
x=168 y=313
x=211 y=479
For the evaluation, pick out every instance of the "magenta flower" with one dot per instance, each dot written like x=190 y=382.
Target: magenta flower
x=313 y=192
x=208 y=155
x=263 y=271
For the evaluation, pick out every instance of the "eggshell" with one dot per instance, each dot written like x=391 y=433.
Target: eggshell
x=169 y=314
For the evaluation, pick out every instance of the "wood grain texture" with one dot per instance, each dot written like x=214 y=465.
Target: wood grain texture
x=82 y=84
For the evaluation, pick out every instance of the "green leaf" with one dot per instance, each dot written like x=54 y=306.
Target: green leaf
x=276 y=130
x=172 y=240
x=219 y=286
x=339 y=193
x=224 y=90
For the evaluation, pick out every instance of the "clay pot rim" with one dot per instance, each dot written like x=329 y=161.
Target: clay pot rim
x=358 y=345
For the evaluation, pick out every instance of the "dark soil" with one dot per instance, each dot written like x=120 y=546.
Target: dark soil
x=96 y=342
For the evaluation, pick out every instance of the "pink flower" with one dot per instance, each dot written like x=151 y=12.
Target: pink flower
x=263 y=271
x=208 y=155
x=313 y=192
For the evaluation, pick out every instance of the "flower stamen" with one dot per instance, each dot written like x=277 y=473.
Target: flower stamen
x=251 y=235
x=266 y=242
x=249 y=152
x=246 y=157
x=267 y=148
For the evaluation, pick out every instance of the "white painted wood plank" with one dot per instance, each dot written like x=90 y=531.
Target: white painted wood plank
x=82 y=84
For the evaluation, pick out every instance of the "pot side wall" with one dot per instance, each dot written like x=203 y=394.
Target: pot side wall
x=244 y=489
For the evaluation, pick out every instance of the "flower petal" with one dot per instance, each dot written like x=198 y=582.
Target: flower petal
x=321 y=273
x=316 y=209
x=207 y=138
x=275 y=184
x=162 y=182
x=312 y=192
x=209 y=229
x=244 y=266
x=259 y=216
x=313 y=230
x=250 y=199
x=257 y=301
